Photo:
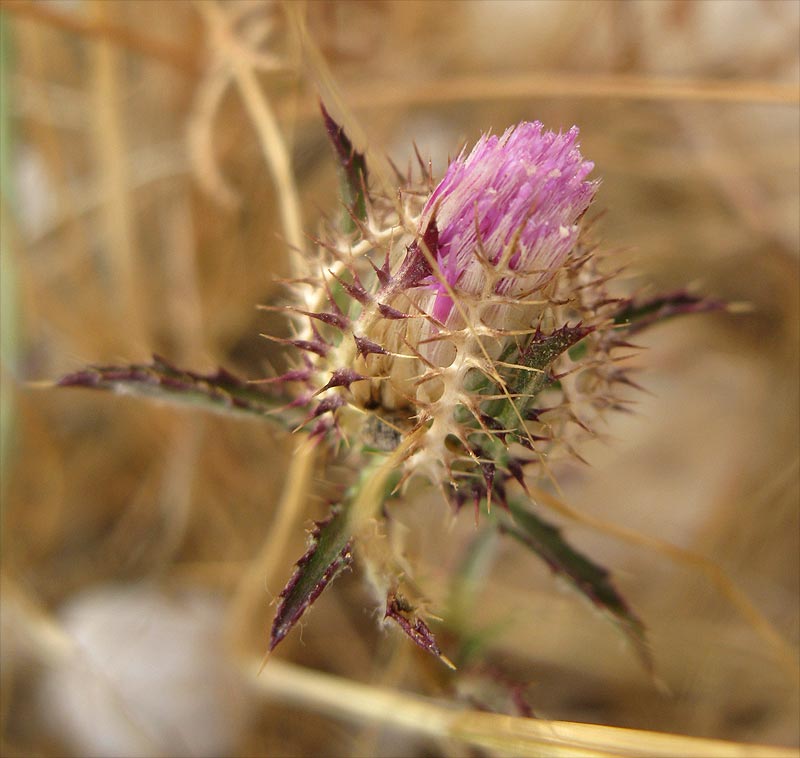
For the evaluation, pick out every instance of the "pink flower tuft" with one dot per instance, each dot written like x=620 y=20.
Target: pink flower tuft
x=520 y=193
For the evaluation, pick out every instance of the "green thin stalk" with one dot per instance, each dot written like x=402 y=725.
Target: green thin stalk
x=9 y=322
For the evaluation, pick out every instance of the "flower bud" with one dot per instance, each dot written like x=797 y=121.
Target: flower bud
x=442 y=330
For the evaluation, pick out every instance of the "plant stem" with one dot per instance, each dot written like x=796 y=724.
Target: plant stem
x=374 y=482
x=502 y=735
x=263 y=117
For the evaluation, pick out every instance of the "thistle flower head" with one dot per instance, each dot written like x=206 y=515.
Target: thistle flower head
x=454 y=330
x=511 y=204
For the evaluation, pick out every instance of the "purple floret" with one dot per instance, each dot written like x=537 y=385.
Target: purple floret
x=527 y=181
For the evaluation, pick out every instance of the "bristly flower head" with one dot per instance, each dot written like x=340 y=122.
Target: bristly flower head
x=452 y=330
x=512 y=202
x=469 y=330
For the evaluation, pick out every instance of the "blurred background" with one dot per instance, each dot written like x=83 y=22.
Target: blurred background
x=140 y=216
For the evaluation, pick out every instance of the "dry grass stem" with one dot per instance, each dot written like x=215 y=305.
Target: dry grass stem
x=119 y=227
x=329 y=92
x=262 y=572
x=714 y=573
x=368 y=95
x=501 y=735
x=263 y=117
x=101 y=28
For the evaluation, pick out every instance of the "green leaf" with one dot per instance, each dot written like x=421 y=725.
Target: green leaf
x=352 y=171
x=328 y=554
x=10 y=335
x=590 y=579
x=543 y=349
x=532 y=375
x=640 y=315
x=221 y=392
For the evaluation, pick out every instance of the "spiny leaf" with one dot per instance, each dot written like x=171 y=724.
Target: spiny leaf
x=222 y=391
x=591 y=580
x=637 y=316
x=399 y=610
x=543 y=349
x=534 y=360
x=352 y=170
x=328 y=554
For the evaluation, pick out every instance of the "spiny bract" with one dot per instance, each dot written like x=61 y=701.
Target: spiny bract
x=450 y=311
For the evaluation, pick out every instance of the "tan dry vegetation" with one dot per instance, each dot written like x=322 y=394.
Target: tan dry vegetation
x=158 y=166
